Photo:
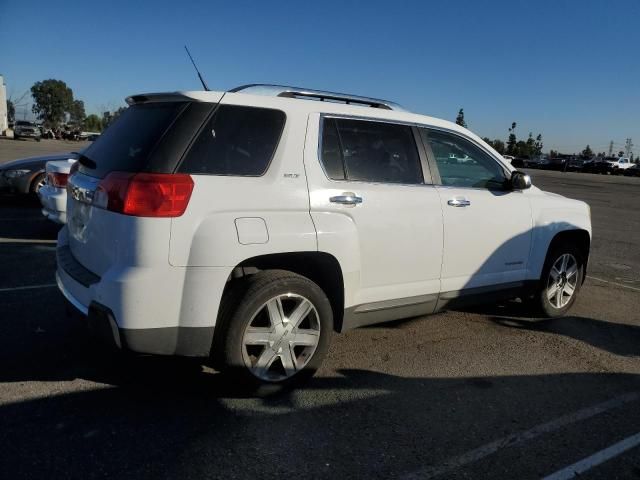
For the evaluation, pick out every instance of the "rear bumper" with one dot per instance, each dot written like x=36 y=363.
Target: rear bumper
x=54 y=203
x=102 y=324
x=163 y=310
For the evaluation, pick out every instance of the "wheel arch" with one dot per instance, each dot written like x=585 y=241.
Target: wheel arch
x=578 y=237
x=28 y=188
x=320 y=267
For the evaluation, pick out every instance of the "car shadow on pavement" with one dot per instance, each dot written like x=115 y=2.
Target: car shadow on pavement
x=616 y=338
x=161 y=421
x=71 y=410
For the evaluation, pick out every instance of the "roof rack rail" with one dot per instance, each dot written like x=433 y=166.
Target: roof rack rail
x=310 y=94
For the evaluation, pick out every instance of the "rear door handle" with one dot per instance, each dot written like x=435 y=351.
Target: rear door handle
x=347 y=198
x=459 y=202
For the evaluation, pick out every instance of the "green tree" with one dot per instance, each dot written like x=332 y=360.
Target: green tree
x=11 y=111
x=76 y=112
x=530 y=145
x=587 y=152
x=537 y=146
x=511 y=142
x=109 y=117
x=460 y=118
x=497 y=144
x=52 y=99
x=93 y=123
x=521 y=149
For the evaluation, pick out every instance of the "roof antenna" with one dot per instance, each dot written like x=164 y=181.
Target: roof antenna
x=204 y=84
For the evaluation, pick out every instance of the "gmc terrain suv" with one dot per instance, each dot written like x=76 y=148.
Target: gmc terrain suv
x=247 y=226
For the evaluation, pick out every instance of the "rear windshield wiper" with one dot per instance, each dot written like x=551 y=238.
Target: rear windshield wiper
x=85 y=161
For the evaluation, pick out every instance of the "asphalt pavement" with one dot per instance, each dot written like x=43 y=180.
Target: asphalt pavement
x=11 y=149
x=481 y=393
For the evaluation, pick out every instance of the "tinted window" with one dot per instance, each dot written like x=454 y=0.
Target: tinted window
x=370 y=152
x=236 y=141
x=126 y=145
x=331 y=153
x=463 y=164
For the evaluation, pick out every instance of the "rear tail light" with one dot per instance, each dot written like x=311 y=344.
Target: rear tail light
x=58 y=180
x=144 y=194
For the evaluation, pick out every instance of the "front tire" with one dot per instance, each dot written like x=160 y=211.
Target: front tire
x=38 y=183
x=274 y=328
x=561 y=280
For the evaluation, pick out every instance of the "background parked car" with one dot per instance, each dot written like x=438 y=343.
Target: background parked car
x=24 y=129
x=28 y=175
x=53 y=194
x=556 y=163
x=522 y=162
x=633 y=171
x=597 y=165
x=575 y=164
x=619 y=164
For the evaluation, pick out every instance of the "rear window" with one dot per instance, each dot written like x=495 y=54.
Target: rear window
x=237 y=140
x=370 y=151
x=128 y=142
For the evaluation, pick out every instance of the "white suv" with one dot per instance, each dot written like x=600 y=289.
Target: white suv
x=246 y=226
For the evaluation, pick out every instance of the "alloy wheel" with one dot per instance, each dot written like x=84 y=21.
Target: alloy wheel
x=281 y=337
x=562 y=281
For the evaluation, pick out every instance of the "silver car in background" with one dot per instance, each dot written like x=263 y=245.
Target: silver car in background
x=25 y=129
x=53 y=194
x=28 y=175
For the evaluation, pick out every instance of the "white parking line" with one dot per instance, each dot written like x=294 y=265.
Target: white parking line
x=614 y=283
x=596 y=459
x=28 y=287
x=522 y=437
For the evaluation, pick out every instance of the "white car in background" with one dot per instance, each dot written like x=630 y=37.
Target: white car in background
x=619 y=164
x=53 y=194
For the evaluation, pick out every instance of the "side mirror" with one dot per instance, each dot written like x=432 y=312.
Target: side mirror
x=520 y=180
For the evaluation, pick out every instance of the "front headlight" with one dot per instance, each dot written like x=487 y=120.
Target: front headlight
x=15 y=173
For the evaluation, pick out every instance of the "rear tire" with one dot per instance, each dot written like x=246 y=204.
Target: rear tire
x=273 y=330
x=560 y=281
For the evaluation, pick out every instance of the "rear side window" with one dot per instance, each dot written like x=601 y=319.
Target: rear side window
x=367 y=151
x=237 y=140
x=128 y=142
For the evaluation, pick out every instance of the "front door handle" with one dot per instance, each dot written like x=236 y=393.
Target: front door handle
x=459 y=202
x=347 y=198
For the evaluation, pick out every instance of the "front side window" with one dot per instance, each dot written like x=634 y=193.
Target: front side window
x=461 y=163
x=368 y=151
x=237 y=140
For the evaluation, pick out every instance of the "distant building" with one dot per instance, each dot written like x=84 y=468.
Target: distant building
x=4 y=120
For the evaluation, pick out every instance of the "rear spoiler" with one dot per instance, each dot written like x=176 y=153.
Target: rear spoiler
x=191 y=96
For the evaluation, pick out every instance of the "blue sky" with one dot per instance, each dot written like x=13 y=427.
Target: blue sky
x=567 y=69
